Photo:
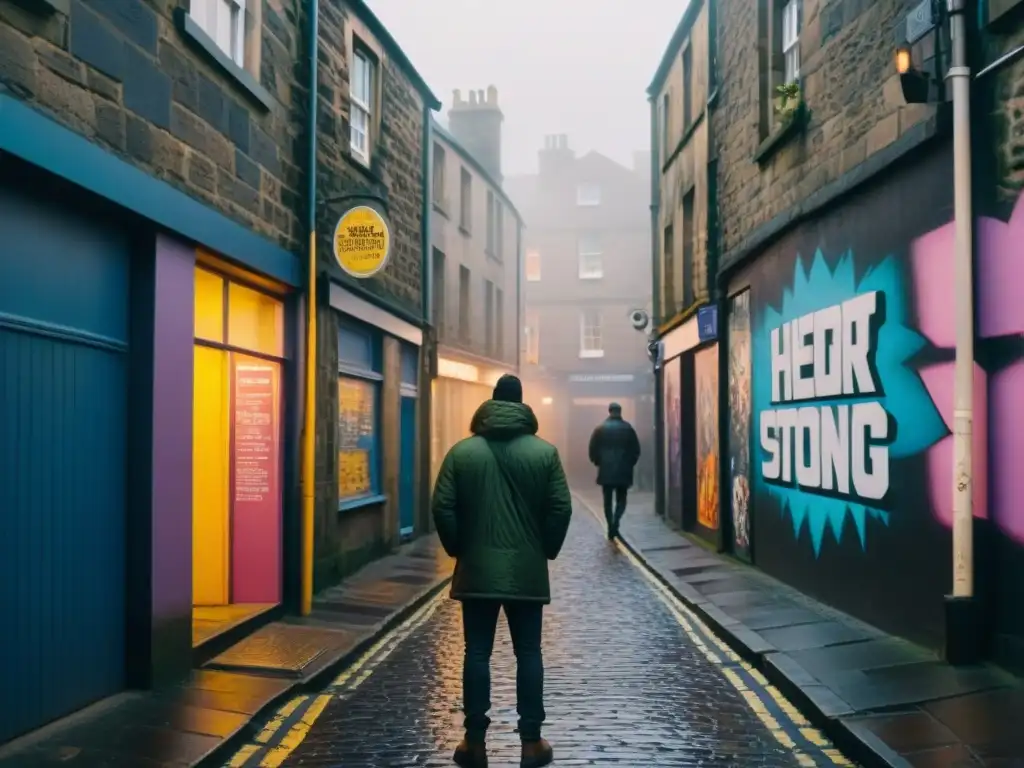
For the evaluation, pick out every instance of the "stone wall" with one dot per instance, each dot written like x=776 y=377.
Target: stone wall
x=396 y=169
x=344 y=541
x=120 y=73
x=850 y=87
x=1007 y=123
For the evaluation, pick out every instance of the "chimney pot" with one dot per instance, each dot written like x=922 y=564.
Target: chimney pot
x=480 y=97
x=472 y=97
x=456 y=97
x=492 y=95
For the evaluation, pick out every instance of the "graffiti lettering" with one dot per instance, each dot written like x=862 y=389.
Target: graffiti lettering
x=832 y=449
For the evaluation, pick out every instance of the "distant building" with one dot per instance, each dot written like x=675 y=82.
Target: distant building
x=587 y=265
x=476 y=235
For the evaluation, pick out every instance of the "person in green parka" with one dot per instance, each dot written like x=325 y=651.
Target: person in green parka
x=501 y=506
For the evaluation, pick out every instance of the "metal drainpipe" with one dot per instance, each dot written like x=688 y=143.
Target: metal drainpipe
x=309 y=424
x=659 y=421
x=961 y=619
x=425 y=385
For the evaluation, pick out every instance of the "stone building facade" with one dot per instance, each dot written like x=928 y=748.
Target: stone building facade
x=476 y=235
x=830 y=249
x=586 y=268
x=374 y=341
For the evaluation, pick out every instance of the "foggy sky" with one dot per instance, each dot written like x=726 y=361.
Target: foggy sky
x=579 y=67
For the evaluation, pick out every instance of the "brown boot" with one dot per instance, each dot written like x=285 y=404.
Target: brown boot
x=536 y=754
x=472 y=755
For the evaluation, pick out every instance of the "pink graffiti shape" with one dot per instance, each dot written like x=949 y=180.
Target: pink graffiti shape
x=999 y=270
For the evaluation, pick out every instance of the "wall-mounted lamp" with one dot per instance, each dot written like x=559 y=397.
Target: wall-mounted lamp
x=546 y=401
x=914 y=83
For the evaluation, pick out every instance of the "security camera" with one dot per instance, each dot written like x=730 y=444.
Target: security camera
x=639 y=319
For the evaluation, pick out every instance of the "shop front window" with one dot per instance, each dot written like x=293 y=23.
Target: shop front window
x=236 y=454
x=359 y=384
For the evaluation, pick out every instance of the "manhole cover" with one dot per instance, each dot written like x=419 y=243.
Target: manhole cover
x=278 y=649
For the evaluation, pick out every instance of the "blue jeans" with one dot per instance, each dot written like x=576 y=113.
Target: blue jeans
x=479 y=622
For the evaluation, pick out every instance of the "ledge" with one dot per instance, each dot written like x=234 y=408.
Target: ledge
x=366 y=170
x=363 y=501
x=194 y=34
x=441 y=210
x=782 y=135
x=465 y=231
x=45 y=7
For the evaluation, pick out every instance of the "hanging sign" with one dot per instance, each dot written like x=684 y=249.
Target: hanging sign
x=362 y=242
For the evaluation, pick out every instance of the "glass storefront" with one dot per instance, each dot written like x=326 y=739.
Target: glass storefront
x=237 y=462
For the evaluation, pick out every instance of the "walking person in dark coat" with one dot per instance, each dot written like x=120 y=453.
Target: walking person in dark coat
x=501 y=506
x=614 y=450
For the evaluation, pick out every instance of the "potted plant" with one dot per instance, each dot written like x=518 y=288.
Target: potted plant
x=787 y=100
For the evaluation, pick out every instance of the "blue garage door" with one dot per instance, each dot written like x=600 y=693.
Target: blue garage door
x=63 y=343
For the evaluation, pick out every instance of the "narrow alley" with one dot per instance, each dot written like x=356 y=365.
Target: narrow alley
x=632 y=679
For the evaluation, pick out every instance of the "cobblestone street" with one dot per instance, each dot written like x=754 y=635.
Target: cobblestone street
x=625 y=684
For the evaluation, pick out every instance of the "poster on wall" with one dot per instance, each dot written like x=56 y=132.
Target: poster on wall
x=673 y=442
x=706 y=386
x=739 y=423
x=356 y=417
x=256 y=495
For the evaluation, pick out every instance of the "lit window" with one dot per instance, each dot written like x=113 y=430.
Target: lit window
x=591 y=343
x=791 y=40
x=533 y=266
x=591 y=259
x=588 y=194
x=224 y=22
x=361 y=90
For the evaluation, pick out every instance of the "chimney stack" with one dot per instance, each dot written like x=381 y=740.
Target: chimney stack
x=476 y=125
x=556 y=158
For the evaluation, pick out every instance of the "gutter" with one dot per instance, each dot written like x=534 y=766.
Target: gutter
x=426 y=262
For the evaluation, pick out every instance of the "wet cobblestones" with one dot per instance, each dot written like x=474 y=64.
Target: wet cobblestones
x=624 y=685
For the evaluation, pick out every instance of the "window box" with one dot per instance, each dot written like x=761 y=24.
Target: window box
x=791 y=124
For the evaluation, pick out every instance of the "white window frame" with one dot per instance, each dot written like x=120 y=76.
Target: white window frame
x=591 y=335
x=532 y=345
x=591 y=261
x=361 y=104
x=206 y=14
x=791 y=40
x=533 y=255
x=590 y=200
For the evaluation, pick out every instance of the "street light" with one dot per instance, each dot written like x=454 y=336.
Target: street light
x=914 y=83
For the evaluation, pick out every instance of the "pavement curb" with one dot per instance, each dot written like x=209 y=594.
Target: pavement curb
x=856 y=743
x=221 y=754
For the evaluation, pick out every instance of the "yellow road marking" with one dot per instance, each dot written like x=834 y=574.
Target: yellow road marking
x=688 y=620
x=350 y=679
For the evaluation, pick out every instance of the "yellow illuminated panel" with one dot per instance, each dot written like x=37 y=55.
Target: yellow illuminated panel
x=210 y=478
x=356 y=401
x=255 y=321
x=209 y=311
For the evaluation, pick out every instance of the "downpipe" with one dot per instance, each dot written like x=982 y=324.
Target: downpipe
x=962 y=632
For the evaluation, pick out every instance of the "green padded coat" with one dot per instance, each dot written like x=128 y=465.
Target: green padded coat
x=501 y=529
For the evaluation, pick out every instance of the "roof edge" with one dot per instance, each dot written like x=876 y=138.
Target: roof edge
x=669 y=56
x=470 y=158
x=387 y=40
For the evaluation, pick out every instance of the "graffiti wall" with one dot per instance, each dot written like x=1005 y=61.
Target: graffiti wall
x=849 y=463
x=739 y=424
x=706 y=388
x=671 y=378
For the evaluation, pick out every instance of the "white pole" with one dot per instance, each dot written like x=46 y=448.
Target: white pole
x=963 y=389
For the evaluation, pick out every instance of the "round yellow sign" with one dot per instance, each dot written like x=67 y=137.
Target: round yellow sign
x=362 y=242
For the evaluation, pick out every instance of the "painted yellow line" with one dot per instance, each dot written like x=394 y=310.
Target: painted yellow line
x=692 y=625
x=267 y=755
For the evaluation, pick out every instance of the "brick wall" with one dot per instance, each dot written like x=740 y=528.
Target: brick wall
x=850 y=87
x=120 y=73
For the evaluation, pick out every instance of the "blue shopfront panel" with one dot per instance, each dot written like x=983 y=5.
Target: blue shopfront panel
x=63 y=357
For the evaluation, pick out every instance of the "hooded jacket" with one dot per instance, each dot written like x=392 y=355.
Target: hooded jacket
x=502 y=526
